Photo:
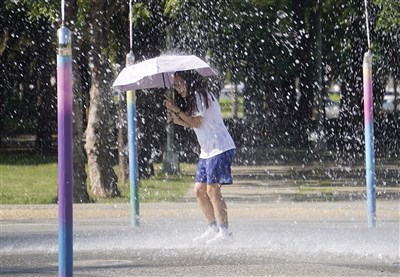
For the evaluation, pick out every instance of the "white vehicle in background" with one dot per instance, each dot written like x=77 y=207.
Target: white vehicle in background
x=332 y=109
x=388 y=102
x=228 y=89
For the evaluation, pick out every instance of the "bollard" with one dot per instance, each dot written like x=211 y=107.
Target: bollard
x=369 y=138
x=133 y=154
x=64 y=121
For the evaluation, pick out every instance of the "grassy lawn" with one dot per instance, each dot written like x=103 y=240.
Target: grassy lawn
x=29 y=179
x=226 y=105
x=158 y=188
x=335 y=97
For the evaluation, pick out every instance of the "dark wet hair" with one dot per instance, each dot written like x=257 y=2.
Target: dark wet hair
x=195 y=84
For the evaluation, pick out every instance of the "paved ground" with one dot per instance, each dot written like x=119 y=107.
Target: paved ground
x=275 y=232
x=274 y=239
x=311 y=182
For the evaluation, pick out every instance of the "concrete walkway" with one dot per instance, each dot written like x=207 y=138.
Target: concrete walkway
x=276 y=232
x=270 y=239
x=311 y=182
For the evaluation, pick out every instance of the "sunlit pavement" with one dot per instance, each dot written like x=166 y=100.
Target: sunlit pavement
x=274 y=234
x=276 y=239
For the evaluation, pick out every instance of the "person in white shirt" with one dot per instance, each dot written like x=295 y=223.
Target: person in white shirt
x=199 y=109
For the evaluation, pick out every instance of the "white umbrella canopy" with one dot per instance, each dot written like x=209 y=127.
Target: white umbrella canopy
x=159 y=72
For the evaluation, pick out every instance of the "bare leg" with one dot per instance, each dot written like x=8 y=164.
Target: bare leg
x=200 y=190
x=218 y=202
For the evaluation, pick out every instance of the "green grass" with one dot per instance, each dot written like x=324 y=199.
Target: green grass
x=226 y=105
x=28 y=184
x=312 y=183
x=335 y=97
x=30 y=179
x=305 y=190
x=158 y=188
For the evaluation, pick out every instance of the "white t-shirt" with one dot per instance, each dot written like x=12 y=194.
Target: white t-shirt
x=212 y=135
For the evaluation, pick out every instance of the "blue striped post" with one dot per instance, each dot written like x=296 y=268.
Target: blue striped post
x=133 y=154
x=64 y=118
x=369 y=138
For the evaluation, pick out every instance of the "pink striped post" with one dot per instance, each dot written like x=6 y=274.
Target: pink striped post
x=65 y=186
x=369 y=138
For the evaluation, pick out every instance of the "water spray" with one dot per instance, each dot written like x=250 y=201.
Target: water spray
x=62 y=12
x=369 y=129
x=367 y=24
x=130 y=26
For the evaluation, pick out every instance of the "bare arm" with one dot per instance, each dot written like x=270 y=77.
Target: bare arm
x=181 y=118
x=193 y=122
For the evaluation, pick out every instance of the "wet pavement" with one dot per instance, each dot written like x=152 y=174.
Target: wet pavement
x=275 y=234
x=312 y=182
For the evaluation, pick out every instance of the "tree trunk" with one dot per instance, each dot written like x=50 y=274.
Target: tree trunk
x=122 y=140
x=4 y=41
x=320 y=93
x=80 y=193
x=3 y=46
x=146 y=126
x=102 y=176
x=305 y=71
x=255 y=110
x=99 y=128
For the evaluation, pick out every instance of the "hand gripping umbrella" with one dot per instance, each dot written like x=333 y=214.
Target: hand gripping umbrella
x=159 y=72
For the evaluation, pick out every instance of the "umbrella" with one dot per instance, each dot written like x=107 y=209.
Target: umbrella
x=159 y=72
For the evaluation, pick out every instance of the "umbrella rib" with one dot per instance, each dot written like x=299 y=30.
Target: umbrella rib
x=163 y=77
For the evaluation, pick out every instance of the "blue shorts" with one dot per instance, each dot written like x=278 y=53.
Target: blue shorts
x=215 y=170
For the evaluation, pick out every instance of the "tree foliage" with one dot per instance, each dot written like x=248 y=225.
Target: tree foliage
x=286 y=52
